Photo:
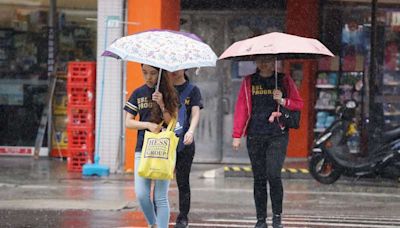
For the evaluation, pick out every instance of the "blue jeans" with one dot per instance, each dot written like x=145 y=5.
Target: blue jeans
x=156 y=212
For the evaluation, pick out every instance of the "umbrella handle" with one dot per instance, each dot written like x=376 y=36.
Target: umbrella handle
x=276 y=87
x=276 y=78
x=276 y=72
x=158 y=80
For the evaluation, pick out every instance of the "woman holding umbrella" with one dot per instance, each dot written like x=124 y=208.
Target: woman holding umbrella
x=260 y=95
x=153 y=107
x=158 y=48
x=267 y=138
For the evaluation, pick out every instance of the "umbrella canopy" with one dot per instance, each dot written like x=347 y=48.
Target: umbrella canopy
x=278 y=45
x=166 y=49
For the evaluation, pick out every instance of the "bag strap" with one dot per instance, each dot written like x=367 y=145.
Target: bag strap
x=171 y=124
x=185 y=93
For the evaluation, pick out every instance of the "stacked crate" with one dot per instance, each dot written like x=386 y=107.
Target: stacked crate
x=81 y=84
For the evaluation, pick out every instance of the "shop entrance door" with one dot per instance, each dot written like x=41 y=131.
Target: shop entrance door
x=228 y=104
x=219 y=89
x=208 y=135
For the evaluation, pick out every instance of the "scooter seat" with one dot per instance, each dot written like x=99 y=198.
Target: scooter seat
x=391 y=134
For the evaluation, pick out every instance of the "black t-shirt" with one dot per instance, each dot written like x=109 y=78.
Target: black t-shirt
x=140 y=102
x=263 y=105
x=194 y=99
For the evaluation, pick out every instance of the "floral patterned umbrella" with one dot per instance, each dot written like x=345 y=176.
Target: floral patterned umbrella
x=166 y=49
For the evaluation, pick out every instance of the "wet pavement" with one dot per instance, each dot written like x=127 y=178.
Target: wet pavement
x=42 y=194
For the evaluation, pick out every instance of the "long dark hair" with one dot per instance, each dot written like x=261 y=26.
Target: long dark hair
x=170 y=98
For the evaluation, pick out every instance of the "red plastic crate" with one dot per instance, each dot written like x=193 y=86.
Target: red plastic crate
x=80 y=138
x=80 y=95
x=77 y=158
x=81 y=116
x=81 y=73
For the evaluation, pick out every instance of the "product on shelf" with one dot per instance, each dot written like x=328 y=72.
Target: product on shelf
x=324 y=78
x=391 y=78
x=326 y=100
x=321 y=118
x=335 y=88
x=324 y=119
x=328 y=64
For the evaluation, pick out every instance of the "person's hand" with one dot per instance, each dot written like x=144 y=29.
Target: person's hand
x=236 y=143
x=155 y=128
x=188 y=139
x=158 y=98
x=277 y=95
x=274 y=115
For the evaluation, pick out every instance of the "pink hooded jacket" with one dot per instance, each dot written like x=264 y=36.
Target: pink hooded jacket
x=243 y=104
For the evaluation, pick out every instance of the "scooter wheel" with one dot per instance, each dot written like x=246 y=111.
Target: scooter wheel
x=323 y=170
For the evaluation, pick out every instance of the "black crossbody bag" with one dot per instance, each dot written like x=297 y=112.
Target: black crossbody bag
x=290 y=119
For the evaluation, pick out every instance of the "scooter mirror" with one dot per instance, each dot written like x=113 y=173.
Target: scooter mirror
x=350 y=104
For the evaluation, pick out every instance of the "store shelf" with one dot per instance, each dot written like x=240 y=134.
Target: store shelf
x=327 y=86
x=333 y=87
x=392 y=113
x=319 y=129
x=387 y=99
x=391 y=71
x=392 y=84
x=346 y=86
x=325 y=107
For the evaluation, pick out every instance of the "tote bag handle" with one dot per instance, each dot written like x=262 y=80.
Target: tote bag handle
x=171 y=125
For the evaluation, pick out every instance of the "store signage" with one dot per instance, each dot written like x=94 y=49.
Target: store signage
x=22 y=151
x=12 y=150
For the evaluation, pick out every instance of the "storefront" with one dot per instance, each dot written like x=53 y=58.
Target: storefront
x=24 y=43
x=220 y=24
x=343 y=26
x=323 y=84
x=346 y=29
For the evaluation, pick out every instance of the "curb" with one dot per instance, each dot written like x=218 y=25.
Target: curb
x=246 y=171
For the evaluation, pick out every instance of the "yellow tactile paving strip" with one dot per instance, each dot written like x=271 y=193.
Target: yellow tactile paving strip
x=248 y=170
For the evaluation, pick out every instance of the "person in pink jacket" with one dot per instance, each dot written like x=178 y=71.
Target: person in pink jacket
x=257 y=118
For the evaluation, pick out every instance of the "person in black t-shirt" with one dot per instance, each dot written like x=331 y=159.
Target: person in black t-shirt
x=267 y=141
x=185 y=157
x=153 y=107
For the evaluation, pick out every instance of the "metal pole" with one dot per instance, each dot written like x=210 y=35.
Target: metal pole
x=51 y=71
x=372 y=75
x=373 y=60
x=121 y=152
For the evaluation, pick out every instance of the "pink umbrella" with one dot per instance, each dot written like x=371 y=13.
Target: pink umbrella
x=276 y=44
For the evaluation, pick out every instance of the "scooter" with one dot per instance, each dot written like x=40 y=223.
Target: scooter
x=332 y=157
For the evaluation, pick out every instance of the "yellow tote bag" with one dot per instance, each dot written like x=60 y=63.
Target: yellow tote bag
x=159 y=154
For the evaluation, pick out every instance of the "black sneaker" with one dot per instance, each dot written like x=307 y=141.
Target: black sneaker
x=181 y=222
x=277 y=221
x=261 y=224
